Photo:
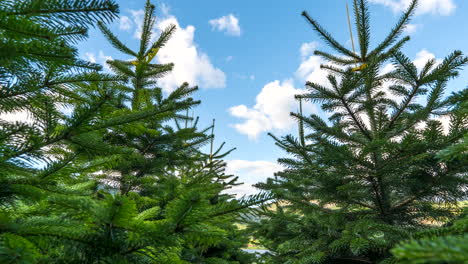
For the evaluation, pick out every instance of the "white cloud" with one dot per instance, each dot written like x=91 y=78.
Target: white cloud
x=165 y=9
x=275 y=101
x=125 y=23
x=101 y=59
x=422 y=57
x=435 y=7
x=271 y=111
x=229 y=24
x=138 y=16
x=104 y=57
x=411 y=28
x=191 y=64
x=310 y=70
x=250 y=172
x=443 y=119
x=308 y=48
x=419 y=61
x=91 y=57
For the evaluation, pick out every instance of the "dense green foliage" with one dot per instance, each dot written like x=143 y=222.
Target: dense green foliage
x=374 y=173
x=102 y=171
x=109 y=168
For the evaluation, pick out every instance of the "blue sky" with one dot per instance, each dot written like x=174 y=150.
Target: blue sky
x=249 y=58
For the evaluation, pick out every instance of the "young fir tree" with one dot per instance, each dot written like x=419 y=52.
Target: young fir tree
x=38 y=72
x=50 y=209
x=370 y=176
x=166 y=174
x=158 y=146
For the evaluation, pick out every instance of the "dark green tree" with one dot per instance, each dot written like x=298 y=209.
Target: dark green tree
x=370 y=176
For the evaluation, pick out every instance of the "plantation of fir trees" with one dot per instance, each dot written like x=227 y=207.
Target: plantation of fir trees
x=103 y=163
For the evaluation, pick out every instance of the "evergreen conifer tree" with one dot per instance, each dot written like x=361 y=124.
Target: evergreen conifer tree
x=371 y=175
x=166 y=173
x=52 y=208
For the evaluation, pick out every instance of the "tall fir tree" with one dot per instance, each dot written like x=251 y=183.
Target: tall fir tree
x=54 y=205
x=166 y=173
x=370 y=176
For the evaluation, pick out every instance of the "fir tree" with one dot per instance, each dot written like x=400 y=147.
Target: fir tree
x=166 y=172
x=370 y=176
x=52 y=209
x=41 y=75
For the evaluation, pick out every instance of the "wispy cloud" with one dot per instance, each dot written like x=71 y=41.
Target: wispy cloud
x=250 y=172
x=412 y=28
x=229 y=24
x=125 y=23
x=435 y=7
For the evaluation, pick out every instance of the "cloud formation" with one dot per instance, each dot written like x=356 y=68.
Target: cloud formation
x=250 y=172
x=275 y=101
x=411 y=28
x=308 y=48
x=191 y=64
x=435 y=7
x=309 y=70
x=229 y=24
x=125 y=23
x=101 y=59
x=270 y=112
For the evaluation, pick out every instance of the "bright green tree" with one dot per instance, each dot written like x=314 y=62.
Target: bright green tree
x=370 y=176
x=54 y=206
x=165 y=172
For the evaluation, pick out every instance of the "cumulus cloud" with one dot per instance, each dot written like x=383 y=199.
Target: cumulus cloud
x=271 y=111
x=411 y=28
x=229 y=24
x=104 y=57
x=250 y=172
x=191 y=64
x=308 y=48
x=91 y=57
x=275 y=101
x=125 y=23
x=309 y=70
x=435 y=7
x=422 y=57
